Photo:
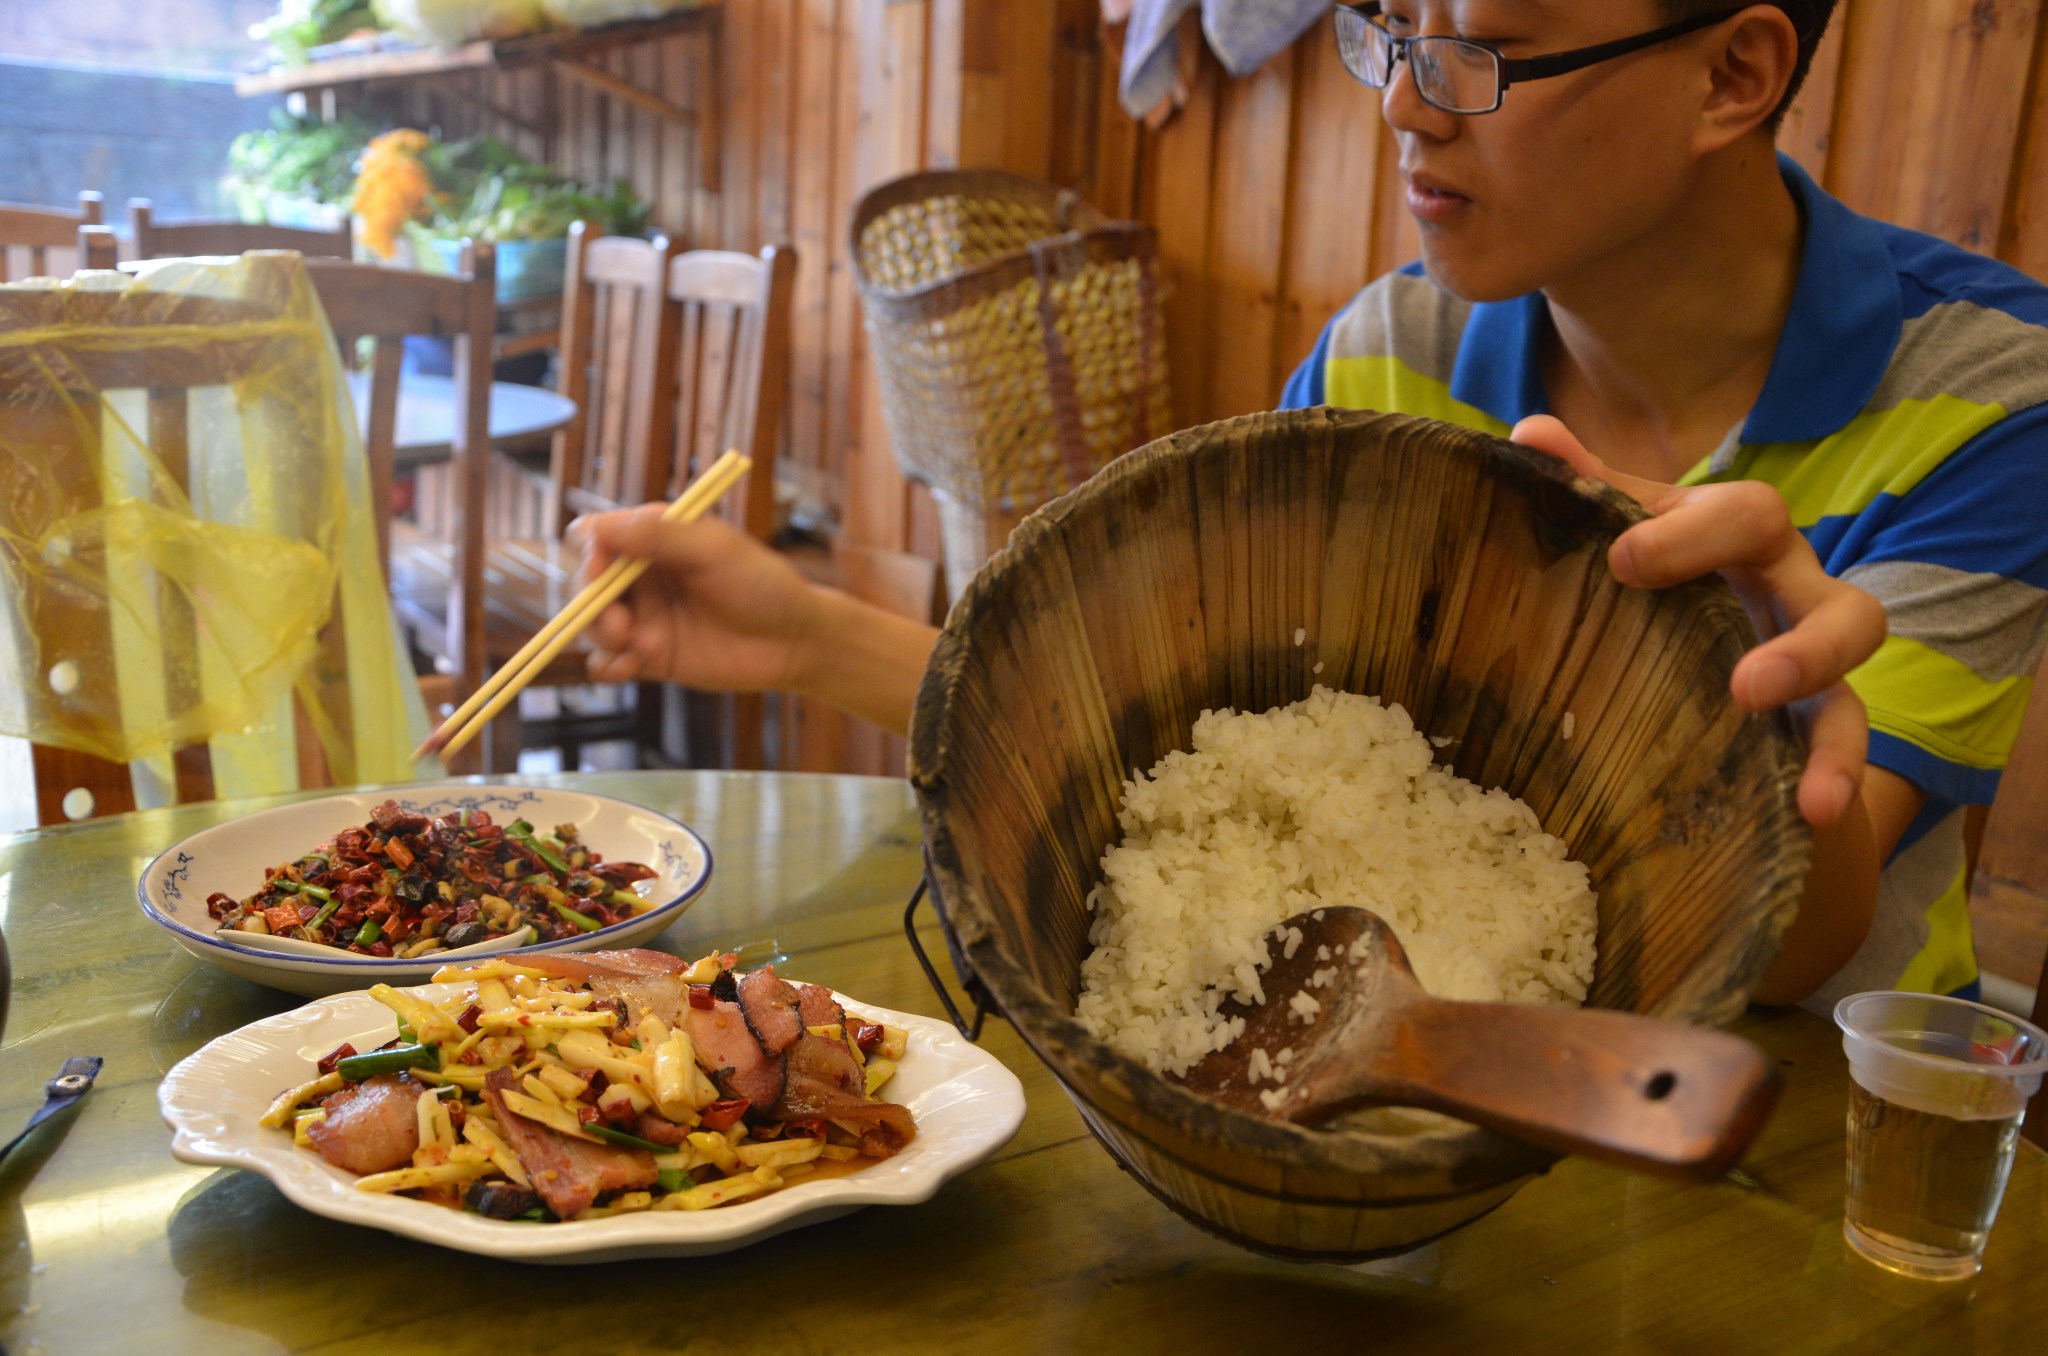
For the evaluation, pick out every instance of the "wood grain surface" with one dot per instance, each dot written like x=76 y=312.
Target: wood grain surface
x=107 y=1244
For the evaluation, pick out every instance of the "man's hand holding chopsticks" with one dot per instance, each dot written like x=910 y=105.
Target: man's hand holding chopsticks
x=719 y=611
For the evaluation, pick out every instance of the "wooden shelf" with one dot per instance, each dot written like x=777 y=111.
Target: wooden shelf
x=385 y=57
x=569 y=52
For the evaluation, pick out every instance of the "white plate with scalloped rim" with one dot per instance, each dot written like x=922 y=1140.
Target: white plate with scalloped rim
x=231 y=858
x=966 y=1104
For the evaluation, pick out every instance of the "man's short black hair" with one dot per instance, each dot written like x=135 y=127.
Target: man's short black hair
x=1810 y=17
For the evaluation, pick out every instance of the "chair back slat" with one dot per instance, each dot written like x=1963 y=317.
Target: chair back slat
x=168 y=240
x=385 y=305
x=28 y=234
x=615 y=334
x=97 y=248
x=733 y=369
x=59 y=434
x=731 y=359
x=614 y=360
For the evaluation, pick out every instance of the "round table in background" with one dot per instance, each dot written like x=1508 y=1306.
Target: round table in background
x=522 y=417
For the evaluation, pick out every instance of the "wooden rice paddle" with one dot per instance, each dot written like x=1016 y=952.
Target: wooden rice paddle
x=1659 y=1096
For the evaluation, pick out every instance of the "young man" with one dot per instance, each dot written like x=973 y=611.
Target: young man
x=1832 y=412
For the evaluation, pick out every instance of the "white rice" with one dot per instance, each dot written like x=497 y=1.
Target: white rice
x=1333 y=800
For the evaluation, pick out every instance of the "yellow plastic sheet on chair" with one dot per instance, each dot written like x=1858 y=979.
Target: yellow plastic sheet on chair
x=186 y=535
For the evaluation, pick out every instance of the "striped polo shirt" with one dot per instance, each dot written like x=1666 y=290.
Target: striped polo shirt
x=1905 y=420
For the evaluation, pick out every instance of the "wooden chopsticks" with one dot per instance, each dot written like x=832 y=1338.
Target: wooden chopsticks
x=504 y=686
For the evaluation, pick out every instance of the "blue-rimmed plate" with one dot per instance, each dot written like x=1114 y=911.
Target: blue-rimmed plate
x=231 y=859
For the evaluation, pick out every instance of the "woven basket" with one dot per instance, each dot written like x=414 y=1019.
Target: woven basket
x=1017 y=338
x=1456 y=574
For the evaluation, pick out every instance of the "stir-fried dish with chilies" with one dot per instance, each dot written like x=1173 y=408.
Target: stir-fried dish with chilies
x=406 y=885
x=572 y=1087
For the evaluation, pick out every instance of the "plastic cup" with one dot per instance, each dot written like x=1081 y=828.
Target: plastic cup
x=1939 y=1088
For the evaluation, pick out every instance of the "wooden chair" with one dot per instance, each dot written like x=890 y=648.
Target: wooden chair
x=618 y=365
x=30 y=233
x=383 y=305
x=732 y=377
x=526 y=579
x=51 y=433
x=157 y=240
x=720 y=371
x=666 y=354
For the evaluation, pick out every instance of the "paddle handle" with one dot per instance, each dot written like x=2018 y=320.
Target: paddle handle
x=1680 y=1100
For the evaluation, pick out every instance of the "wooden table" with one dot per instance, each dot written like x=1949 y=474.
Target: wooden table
x=112 y=1245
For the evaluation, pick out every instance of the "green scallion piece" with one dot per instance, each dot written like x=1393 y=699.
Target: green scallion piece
x=630 y=1141
x=356 y=1068
x=583 y=921
x=673 y=1179
x=369 y=932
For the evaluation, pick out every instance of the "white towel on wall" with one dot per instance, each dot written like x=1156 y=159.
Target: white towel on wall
x=1244 y=34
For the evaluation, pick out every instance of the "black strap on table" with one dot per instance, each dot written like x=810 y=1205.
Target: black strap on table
x=72 y=1082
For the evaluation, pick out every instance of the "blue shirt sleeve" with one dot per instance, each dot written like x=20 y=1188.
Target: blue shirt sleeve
x=1305 y=387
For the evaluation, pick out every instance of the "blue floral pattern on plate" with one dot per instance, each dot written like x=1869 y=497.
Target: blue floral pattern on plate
x=231 y=858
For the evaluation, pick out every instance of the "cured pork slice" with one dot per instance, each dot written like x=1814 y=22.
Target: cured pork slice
x=817 y=1006
x=726 y=1046
x=825 y=1080
x=769 y=1004
x=579 y=967
x=570 y=1174
x=371 y=1126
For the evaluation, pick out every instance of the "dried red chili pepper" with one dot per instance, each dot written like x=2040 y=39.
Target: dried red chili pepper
x=333 y=1057
x=723 y=1114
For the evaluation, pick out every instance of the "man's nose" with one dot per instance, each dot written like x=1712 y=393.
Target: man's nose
x=1405 y=110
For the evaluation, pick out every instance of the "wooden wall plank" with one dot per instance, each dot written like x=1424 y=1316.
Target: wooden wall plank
x=675 y=146
x=1076 y=81
x=843 y=337
x=739 y=78
x=647 y=171
x=775 y=23
x=815 y=226
x=1175 y=197
x=2024 y=243
x=1119 y=144
x=1330 y=221
x=945 y=76
x=1246 y=268
x=983 y=91
x=592 y=120
x=1031 y=83
x=1808 y=129
x=891 y=95
x=1929 y=113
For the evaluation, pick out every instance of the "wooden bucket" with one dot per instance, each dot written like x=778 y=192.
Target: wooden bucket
x=1451 y=572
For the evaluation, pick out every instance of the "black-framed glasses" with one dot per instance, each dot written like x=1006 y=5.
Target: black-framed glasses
x=1458 y=75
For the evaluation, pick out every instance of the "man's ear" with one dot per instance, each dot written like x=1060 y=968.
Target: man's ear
x=1748 y=73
